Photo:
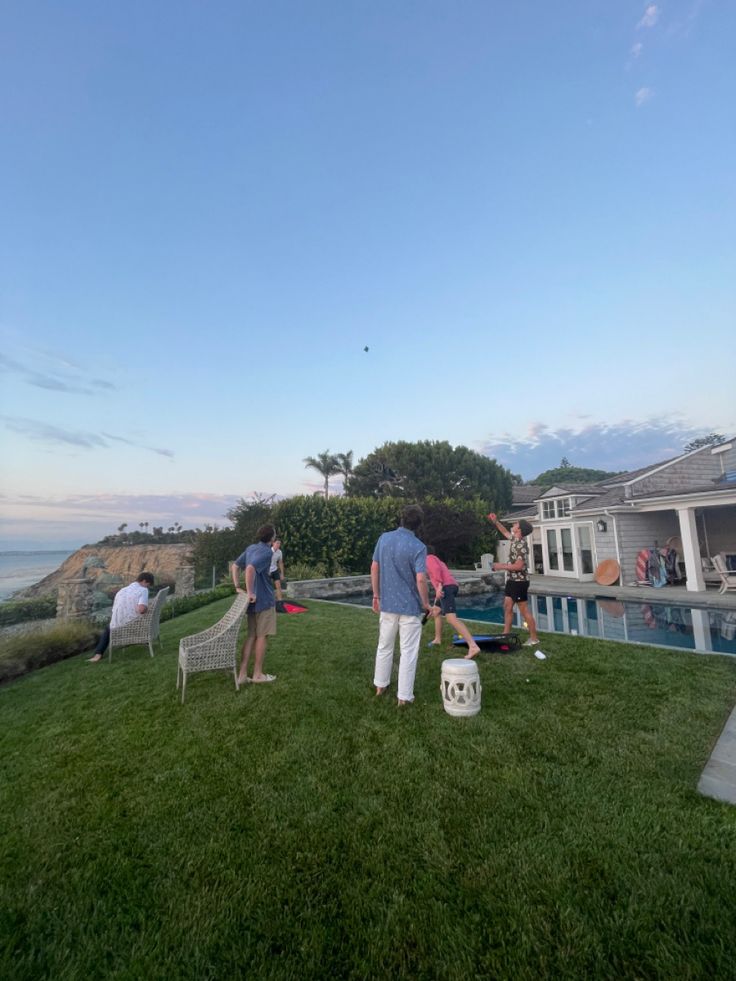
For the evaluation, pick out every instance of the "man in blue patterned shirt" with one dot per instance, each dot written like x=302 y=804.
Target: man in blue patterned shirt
x=256 y=562
x=399 y=581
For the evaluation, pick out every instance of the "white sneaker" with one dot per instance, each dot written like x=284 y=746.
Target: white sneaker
x=530 y=643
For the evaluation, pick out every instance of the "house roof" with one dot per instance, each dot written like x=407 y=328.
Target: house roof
x=525 y=493
x=574 y=489
x=625 y=478
x=615 y=491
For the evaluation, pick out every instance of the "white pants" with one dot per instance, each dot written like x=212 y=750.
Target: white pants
x=409 y=630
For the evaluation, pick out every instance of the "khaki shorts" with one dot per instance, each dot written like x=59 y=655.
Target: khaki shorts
x=262 y=624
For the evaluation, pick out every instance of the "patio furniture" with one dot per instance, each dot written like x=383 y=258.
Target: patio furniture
x=460 y=687
x=144 y=629
x=214 y=649
x=728 y=578
x=486 y=563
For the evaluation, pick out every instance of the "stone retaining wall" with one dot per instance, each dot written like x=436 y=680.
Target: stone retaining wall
x=345 y=586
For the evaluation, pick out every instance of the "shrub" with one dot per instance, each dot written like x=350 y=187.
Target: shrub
x=185 y=604
x=302 y=570
x=19 y=655
x=19 y=611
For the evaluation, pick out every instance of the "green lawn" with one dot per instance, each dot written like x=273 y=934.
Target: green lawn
x=306 y=829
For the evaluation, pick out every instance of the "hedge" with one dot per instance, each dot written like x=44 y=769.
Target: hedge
x=20 y=611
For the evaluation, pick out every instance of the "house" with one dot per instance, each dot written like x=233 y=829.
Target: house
x=687 y=503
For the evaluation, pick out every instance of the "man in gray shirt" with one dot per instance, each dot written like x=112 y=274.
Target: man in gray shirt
x=399 y=581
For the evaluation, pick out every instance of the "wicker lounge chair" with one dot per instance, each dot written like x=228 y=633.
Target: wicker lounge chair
x=214 y=649
x=144 y=629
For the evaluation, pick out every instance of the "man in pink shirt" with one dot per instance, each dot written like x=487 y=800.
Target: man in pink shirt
x=445 y=591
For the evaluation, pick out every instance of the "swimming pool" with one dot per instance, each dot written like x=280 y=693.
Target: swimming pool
x=656 y=624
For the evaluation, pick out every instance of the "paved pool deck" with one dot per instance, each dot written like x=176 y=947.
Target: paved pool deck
x=718 y=779
x=669 y=595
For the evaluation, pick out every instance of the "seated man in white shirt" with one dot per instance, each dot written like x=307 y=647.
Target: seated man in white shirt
x=130 y=602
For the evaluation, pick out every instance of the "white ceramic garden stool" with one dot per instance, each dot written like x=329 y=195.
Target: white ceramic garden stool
x=460 y=686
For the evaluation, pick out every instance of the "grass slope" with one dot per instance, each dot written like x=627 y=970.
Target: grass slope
x=306 y=829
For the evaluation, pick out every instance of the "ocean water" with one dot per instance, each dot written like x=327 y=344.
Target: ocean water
x=21 y=569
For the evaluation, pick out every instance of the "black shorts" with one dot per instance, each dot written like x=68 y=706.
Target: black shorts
x=447 y=600
x=276 y=576
x=517 y=590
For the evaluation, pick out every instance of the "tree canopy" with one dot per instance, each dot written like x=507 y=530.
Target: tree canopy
x=566 y=473
x=712 y=439
x=430 y=470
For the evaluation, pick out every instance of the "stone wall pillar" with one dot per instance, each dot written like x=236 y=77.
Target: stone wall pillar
x=74 y=601
x=184 y=581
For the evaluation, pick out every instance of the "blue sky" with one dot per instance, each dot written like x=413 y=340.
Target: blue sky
x=526 y=211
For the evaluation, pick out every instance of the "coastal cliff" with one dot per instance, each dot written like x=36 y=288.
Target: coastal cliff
x=126 y=561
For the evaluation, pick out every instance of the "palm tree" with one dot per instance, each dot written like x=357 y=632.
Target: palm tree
x=326 y=464
x=345 y=467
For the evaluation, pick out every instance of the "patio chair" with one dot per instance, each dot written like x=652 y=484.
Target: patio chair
x=486 y=563
x=144 y=629
x=728 y=578
x=214 y=649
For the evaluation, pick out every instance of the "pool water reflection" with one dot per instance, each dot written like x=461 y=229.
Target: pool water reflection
x=658 y=624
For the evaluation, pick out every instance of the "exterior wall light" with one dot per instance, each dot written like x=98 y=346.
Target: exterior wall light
x=601 y=525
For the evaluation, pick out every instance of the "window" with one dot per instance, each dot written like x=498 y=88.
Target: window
x=563 y=507
x=548 y=509
x=568 y=563
x=586 y=550
x=554 y=561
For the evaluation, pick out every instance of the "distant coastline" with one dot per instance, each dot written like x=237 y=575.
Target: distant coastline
x=20 y=568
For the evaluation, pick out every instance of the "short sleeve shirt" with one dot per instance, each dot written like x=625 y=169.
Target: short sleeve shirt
x=400 y=557
x=519 y=550
x=259 y=556
x=126 y=603
x=439 y=573
x=276 y=556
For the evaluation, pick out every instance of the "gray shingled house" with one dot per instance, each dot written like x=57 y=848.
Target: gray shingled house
x=687 y=503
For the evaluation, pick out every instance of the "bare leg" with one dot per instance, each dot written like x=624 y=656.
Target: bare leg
x=438 y=630
x=508 y=614
x=530 y=621
x=247 y=649
x=260 y=649
x=461 y=629
x=277 y=588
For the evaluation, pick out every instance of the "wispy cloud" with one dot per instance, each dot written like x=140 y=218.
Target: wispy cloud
x=650 y=17
x=142 y=446
x=58 y=374
x=642 y=96
x=29 y=521
x=50 y=435
x=193 y=506
x=636 y=49
x=625 y=445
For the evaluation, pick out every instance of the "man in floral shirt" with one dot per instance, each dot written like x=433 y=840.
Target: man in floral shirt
x=517 y=583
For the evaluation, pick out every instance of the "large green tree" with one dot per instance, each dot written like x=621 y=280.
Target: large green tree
x=431 y=469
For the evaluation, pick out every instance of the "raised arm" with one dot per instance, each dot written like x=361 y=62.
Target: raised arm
x=499 y=527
